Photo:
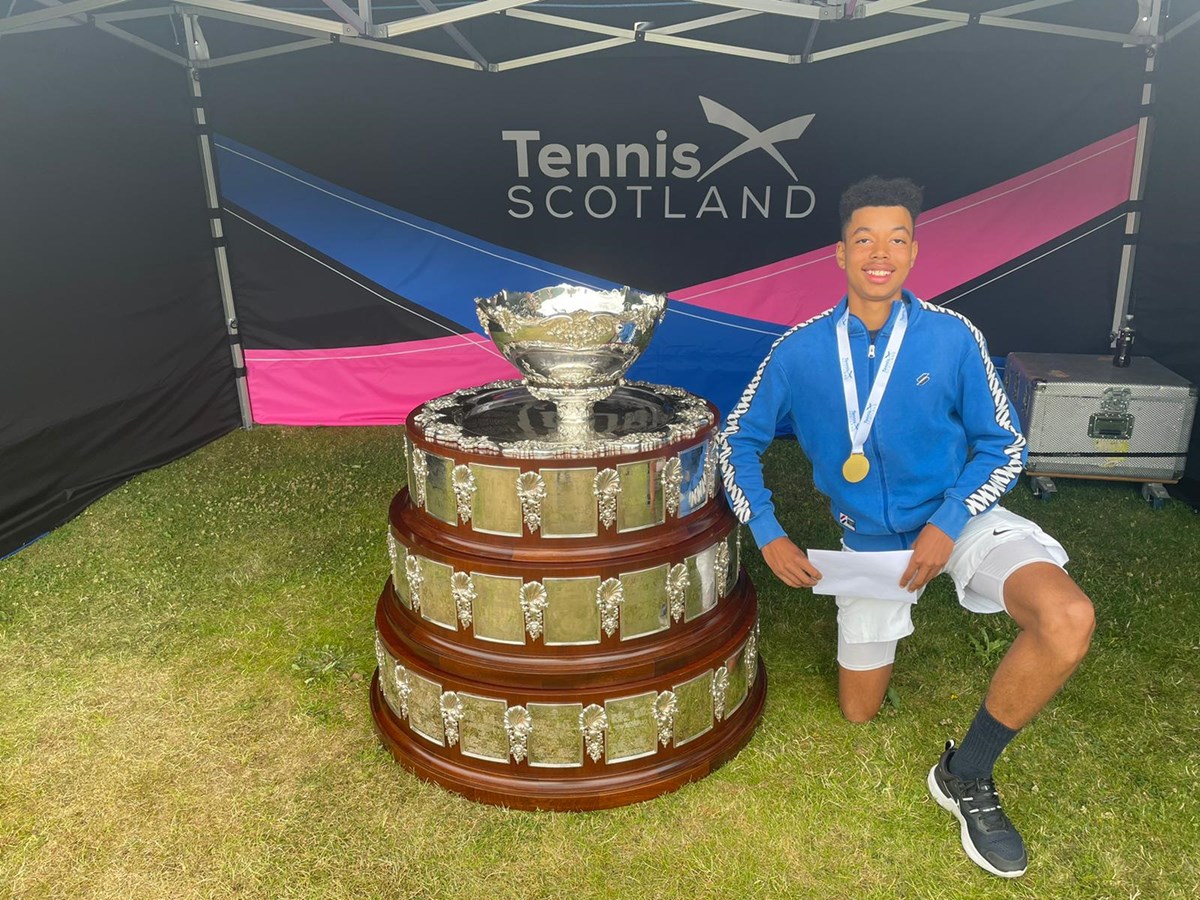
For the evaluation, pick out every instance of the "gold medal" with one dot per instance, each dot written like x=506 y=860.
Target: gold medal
x=855 y=468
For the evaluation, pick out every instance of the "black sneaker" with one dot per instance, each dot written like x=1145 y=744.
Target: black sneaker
x=991 y=841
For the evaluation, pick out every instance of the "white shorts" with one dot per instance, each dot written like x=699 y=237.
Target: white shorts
x=980 y=563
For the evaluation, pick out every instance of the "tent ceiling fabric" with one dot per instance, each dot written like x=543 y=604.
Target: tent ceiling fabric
x=469 y=35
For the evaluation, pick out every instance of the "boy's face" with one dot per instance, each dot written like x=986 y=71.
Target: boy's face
x=877 y=251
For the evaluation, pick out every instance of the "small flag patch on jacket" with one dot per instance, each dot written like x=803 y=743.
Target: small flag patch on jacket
x=845 y=521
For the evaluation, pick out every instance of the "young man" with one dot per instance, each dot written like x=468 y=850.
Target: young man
x=897 y=405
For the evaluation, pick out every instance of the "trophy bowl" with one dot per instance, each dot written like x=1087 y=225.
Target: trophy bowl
x=572 y=344
x=571 y=338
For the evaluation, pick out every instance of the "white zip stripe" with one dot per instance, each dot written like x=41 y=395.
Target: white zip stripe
x=737 y=499
x=1002 y=476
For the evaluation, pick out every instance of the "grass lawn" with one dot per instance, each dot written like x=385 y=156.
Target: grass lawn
x=183 y=713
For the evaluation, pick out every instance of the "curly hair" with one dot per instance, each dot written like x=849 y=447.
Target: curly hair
x=876 y=191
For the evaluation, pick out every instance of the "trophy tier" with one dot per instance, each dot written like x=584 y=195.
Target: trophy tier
x=505 y=418
x=566 y=625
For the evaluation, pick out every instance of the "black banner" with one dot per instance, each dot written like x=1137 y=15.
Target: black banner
x=113 y=351
x=1164 y=302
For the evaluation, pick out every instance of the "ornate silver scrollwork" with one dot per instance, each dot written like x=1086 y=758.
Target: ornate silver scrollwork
x=720 y=687
x=722 y=568
x=606 y=486
x=437 y=421
x=667 y=390
x=678 y=431
x=593 y=722
x=666 y=705
x=381 y=660
x=750 y=655
x=393 y=550
x=475 y=443
x=505 y=318
x=581 y=327
x=609 y=597
x=737 y=559
x=531 y=489
x=710 y=468
x=533 y=605
x=412 y=571
x=672 y=485
x=484 y=319
x=646 y=316
x=452 y=711
x=464 y=490
x=530 y=450
x=439 y=404
x=462 y=589
x=695 y=412
x=403 y=689
x=435 y=430
x=420 y=467
x=393 y=680
x=677 y=585
x=517 y=725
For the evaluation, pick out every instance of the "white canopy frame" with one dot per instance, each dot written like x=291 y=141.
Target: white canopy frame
x=360 y=28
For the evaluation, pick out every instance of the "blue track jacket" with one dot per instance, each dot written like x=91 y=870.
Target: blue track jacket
x=943 y=447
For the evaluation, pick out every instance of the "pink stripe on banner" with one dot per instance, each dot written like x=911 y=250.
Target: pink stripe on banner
x=959 y=241
x=376 y=385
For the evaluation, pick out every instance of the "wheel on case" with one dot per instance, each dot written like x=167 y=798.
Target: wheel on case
x=1154 y=494
x=1043 y=488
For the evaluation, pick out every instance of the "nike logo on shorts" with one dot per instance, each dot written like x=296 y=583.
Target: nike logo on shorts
x=1001 y=530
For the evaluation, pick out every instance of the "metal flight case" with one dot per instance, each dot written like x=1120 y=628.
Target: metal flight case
x=1086 y=418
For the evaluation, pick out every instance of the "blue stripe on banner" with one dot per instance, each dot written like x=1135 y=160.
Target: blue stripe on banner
x=710 y=353
x=437 y=267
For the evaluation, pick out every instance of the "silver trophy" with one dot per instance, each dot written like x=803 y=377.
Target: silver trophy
x=556 y=534
x=572 y=344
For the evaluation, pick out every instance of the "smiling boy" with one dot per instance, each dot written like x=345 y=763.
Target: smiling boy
x=897 y=405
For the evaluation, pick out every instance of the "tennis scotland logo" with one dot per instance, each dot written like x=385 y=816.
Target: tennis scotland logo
x=791 y=130
x=661 y=178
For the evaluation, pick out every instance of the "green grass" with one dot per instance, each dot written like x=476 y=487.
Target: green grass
x=183 y=713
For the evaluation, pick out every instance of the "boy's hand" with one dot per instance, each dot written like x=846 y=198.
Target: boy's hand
x=930 y=553
x=789 y=563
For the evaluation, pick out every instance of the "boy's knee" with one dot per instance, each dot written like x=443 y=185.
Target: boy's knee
x=1079 y=623
x=1069 y=624
x=861 y=692
x=861 y=706
x=858 y=712
x=1057 y=611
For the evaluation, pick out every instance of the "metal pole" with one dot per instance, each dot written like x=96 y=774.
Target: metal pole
x=1137 y=187
x=197 y=51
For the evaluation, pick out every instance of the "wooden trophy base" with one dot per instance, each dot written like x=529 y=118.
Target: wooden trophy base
x=550 y=789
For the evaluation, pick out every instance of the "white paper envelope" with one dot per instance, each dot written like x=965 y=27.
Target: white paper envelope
x=874 y=575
